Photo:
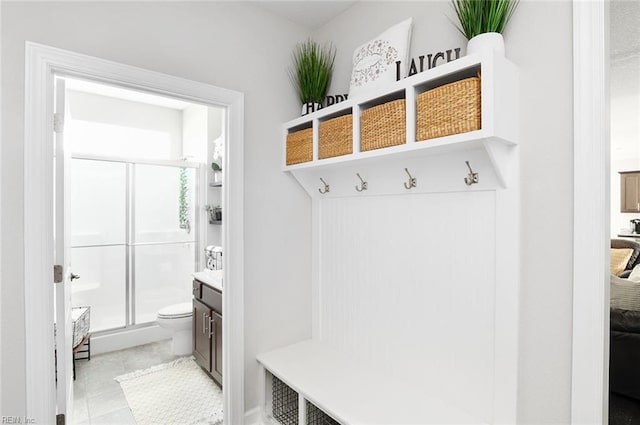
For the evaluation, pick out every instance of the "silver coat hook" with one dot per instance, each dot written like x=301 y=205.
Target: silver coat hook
x=363 y=184
x=472 y=177
x=413 y=182
x=326 y=187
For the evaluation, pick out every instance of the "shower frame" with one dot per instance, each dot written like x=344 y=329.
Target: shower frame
x=130 y=254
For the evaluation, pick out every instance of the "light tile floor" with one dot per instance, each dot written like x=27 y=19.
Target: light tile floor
x=98 y=399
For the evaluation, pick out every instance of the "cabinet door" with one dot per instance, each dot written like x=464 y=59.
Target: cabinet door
x=201 y=339
x=630 y=192
x=216 y=355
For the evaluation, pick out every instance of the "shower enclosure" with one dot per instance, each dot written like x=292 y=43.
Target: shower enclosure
x=134 y=237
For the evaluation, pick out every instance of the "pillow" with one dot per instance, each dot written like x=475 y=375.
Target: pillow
x=374 y=62
x=635 y=274
x=619 y=259
x=625 y=294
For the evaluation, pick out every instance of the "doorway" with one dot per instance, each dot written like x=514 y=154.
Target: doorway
x=140 y=185
x=624 y=304
x=43 y=64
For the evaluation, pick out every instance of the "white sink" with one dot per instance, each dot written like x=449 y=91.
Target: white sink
x=210 y=277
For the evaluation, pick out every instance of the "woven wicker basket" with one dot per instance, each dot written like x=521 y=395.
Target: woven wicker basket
x=336 y=137
x=300 y=146
x=450 y=109
x=383 y=125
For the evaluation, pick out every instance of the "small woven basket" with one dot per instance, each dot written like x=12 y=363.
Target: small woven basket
x=383 y=125
x=300 y=146
x=450 y=109
x=336 y=137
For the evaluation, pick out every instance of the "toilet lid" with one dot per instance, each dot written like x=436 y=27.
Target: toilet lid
x=176 y=311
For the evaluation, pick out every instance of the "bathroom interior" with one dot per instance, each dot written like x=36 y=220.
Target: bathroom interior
x=146 y=194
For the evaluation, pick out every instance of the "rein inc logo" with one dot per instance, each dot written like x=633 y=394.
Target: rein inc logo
x=17 y=420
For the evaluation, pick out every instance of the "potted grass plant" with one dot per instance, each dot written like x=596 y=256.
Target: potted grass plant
x=483 y=21
x=311 y=73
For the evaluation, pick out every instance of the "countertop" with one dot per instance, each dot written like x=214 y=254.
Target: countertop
x=629 y=235
x=212 y=278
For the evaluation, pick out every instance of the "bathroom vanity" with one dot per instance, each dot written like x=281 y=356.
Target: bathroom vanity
x=207 y=326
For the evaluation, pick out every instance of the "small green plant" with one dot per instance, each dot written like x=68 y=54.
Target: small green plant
x=481 y=16
x=312 y=70
x=183 y=199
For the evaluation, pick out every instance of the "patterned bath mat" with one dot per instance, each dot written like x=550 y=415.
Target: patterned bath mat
x=176 y=393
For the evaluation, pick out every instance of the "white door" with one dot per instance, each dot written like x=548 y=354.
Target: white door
x=62 y=253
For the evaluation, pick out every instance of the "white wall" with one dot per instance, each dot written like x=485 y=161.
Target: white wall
x=194 y=148
x=539 y=41
x=201 y=127
x=192 y=40
x=232 y=45
x=158 y=126
x=215 y=120
x=397 y=298
x=194 y=133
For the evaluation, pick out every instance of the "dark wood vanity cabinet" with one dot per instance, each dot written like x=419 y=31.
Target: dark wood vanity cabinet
x=207 y=329
x=201 y=339
x=216 y=361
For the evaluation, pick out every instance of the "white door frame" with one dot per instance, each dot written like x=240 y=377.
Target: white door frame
x=42 y=62
x=591 y=228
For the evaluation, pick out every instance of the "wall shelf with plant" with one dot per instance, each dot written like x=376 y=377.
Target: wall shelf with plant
x=496 y=125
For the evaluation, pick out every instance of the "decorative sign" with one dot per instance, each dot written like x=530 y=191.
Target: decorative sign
x=417 y=65
x=331 y=99
x=431 y=61
x=307 y=108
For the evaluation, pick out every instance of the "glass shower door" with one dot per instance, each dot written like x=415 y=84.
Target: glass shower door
x=98 y=192
x=134 y=238
x=164 y=237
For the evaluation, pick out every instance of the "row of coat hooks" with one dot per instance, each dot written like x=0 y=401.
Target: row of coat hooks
x=471 y=178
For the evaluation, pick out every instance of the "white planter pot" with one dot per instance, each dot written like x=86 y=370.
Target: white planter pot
x=489 y=41
x=308 y=108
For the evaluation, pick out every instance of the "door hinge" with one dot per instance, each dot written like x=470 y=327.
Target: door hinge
x=60 y=419
x=58 y=122
x=57 y=274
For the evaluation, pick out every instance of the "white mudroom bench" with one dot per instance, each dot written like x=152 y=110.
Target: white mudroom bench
x=348 y=392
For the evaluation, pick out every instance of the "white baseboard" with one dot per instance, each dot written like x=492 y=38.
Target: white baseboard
x=127 y=339
x=253 y=417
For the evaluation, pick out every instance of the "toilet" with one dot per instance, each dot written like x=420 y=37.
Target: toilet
x=177 y=319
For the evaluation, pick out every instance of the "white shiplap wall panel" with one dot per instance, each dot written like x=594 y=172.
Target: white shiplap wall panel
x=407 y=284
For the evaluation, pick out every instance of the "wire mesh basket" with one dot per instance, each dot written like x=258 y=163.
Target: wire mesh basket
x=315 y=416
x=284 y=402
x=81 y=317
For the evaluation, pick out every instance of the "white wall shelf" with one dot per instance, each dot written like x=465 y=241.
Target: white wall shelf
x=497 y=136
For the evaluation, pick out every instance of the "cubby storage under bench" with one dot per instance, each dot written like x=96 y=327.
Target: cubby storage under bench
x=344 y=391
